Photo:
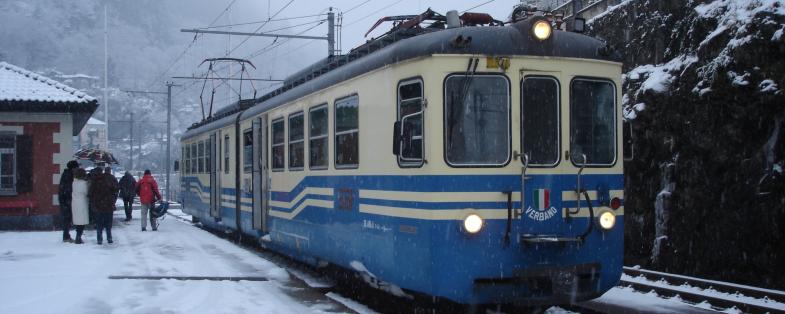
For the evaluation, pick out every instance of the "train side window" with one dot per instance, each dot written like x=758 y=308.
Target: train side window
x=200 y=157
x=592 y=122
x=540 y=120
x=208 y=149
x=318 y=137
x=187 y=159
x=193 y=158
x=226 y=154
x=296 y=141
x=278 y=145
x=476 y=120
x=410 y=116
x=247 y=150
x=347 y=132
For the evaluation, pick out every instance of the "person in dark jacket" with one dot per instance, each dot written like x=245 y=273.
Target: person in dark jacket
x=147 y=189
x=91 y=175
x=128 y=193
x=102 y=195
x=64 y=198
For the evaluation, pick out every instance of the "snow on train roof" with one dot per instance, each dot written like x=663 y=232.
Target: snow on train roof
x=513 y=39
x=18 y=84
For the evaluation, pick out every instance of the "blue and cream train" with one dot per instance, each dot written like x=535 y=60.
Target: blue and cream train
x=480 y=164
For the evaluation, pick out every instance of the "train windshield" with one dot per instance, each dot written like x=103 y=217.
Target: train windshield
x=540 y=120
x=477 y=120
x=592 y=118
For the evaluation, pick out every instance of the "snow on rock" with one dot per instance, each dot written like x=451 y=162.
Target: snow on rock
x=768 y=86
x=659 y=78
x=18 y=84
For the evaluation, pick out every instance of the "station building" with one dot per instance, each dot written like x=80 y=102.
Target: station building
x=39 y=118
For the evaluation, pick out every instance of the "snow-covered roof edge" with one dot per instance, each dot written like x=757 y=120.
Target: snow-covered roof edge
x=80 y=96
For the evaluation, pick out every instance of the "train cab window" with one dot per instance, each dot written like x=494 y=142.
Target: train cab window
x=296 y=141
x=318 y=137
x=540 y=120
x=226 y=154
x=247 y=150
x=410 y=115
x=476 y=120
x=193 y=159
x=279 y=145
x=200 y=157
x=347 y=132
x=208 y=150
x=592 y=122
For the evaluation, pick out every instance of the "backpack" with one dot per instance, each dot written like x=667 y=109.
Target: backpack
x=159 y=210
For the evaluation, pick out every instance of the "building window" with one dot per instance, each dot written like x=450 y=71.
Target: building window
x=279 y=145
x=318 y=137
x=476 y=120
x=540 y=120
x=247 y=150
x=226 y=154
x=410 y=114
x=347 y=132
x=8 y=164
x=592 y=122
x=296 y=141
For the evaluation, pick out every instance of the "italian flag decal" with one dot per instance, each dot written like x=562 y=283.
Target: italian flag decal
x=541 y=198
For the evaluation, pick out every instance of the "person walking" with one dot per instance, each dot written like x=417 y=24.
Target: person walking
x=128 y=193
x=64 y=198
x=147 y=189
x=102 y=193
x=79 y=203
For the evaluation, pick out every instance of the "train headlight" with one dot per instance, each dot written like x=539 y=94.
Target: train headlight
x=607 y=220
x=542 y=29
x=472 y=223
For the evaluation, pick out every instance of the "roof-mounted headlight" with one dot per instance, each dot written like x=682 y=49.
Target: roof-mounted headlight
x=542 y=29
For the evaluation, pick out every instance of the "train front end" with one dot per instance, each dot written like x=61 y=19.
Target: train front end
x=532 y=157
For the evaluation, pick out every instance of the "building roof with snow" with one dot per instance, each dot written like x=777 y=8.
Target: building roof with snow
x=24 y=91
x=94 y=121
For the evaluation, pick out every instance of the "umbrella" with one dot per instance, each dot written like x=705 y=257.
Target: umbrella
x=95 y=155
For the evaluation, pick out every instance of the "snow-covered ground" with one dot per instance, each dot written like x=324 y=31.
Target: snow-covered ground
x=41 y=274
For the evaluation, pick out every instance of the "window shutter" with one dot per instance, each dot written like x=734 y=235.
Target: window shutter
x=24 y=163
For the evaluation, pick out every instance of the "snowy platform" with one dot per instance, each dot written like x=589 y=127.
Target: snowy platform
x=177 y=269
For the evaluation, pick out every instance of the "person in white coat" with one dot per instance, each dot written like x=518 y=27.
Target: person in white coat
x=79 y=203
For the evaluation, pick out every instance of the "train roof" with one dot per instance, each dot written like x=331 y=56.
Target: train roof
x=405 y=44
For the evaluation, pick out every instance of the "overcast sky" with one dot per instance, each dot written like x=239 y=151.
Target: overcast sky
x=292 y=55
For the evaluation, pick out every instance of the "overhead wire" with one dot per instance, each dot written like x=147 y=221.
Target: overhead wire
x=190 y=44
x=477 y=6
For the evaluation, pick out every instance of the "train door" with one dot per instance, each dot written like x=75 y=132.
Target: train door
x=541 y=160
x=260 y=181
x=215 y=182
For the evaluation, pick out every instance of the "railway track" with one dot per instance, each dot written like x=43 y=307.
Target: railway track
x=708 y=294
x=702 y=293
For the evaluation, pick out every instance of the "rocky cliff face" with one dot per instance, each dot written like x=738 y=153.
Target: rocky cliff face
x=703 y=95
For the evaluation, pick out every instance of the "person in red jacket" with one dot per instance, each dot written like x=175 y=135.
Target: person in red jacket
x=147 y=189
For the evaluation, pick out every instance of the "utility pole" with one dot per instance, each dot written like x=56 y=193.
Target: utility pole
x=131 y=144
x=106 y=76
x=169 y=85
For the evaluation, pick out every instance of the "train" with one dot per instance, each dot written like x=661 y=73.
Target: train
x=464 y=159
